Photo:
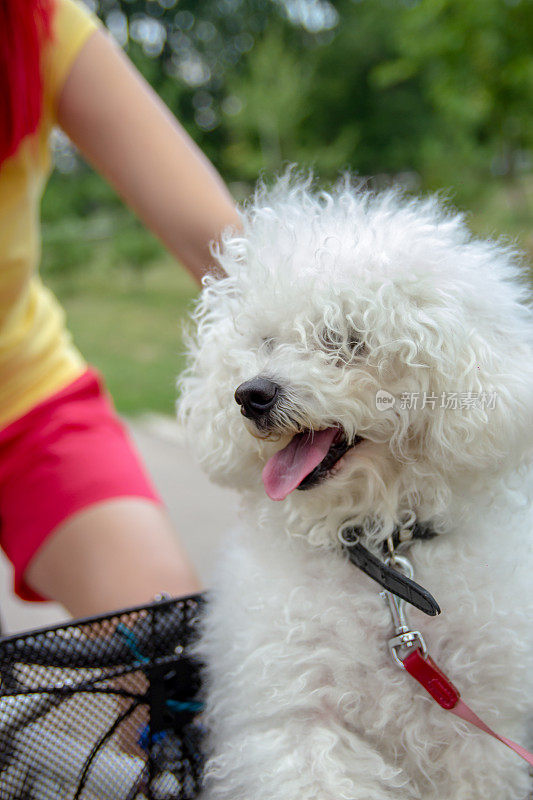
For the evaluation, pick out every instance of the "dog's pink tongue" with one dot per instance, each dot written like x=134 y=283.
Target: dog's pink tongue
x=287 y=468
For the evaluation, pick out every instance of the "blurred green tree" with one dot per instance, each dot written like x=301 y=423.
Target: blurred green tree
x=269 y=104
x=371 y=128
x=474 y=64
x=235 y=72
x=381 y=86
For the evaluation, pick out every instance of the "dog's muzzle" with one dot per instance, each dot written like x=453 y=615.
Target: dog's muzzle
x=257 y=397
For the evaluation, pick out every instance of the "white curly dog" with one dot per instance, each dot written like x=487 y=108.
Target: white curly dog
x=368 y=350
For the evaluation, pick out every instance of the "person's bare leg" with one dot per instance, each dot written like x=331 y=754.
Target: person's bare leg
x=118 y=553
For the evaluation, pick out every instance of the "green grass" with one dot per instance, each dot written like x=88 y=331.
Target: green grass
x=131 y=333
x=126 y=299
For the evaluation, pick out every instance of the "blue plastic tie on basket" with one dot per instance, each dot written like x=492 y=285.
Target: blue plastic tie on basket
x=190 y=705
x=131 y=641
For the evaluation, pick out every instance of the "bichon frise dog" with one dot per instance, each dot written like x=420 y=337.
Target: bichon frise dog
x=363 y=375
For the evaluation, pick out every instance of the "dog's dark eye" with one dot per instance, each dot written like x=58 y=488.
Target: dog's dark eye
x=344 y=346
x=330 y=339
x=267 y=344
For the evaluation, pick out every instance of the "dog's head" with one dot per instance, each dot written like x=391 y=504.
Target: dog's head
x=364 y=358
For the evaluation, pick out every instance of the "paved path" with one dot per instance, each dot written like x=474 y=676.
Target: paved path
x=200 y=511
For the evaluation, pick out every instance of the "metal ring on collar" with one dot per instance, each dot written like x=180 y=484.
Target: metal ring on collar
x=347 y=536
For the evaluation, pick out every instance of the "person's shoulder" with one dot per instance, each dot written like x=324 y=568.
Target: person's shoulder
x=72 y=25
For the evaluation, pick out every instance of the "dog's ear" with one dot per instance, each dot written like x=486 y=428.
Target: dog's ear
x=484 y=424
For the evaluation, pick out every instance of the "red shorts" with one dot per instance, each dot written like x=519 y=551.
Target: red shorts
x=66 y=454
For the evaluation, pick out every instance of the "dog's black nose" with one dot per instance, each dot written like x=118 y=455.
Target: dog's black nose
x=257 y=396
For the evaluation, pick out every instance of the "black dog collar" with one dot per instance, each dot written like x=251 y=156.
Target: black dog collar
x=391 y=580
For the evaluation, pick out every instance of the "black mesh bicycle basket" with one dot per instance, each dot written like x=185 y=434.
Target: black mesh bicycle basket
x=105 y=708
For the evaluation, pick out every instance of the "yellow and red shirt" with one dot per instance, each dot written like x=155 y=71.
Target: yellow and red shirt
x=37 y=357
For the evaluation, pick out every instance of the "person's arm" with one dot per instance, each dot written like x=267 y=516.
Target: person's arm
x=123 y=128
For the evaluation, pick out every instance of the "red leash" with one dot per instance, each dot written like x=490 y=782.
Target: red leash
x=423 y=669
x=434 y=681
x=407 y=647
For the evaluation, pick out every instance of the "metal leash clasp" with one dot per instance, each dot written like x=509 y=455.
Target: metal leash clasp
x=405 y=637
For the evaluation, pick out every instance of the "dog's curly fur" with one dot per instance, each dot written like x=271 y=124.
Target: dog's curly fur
x=334 y=296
